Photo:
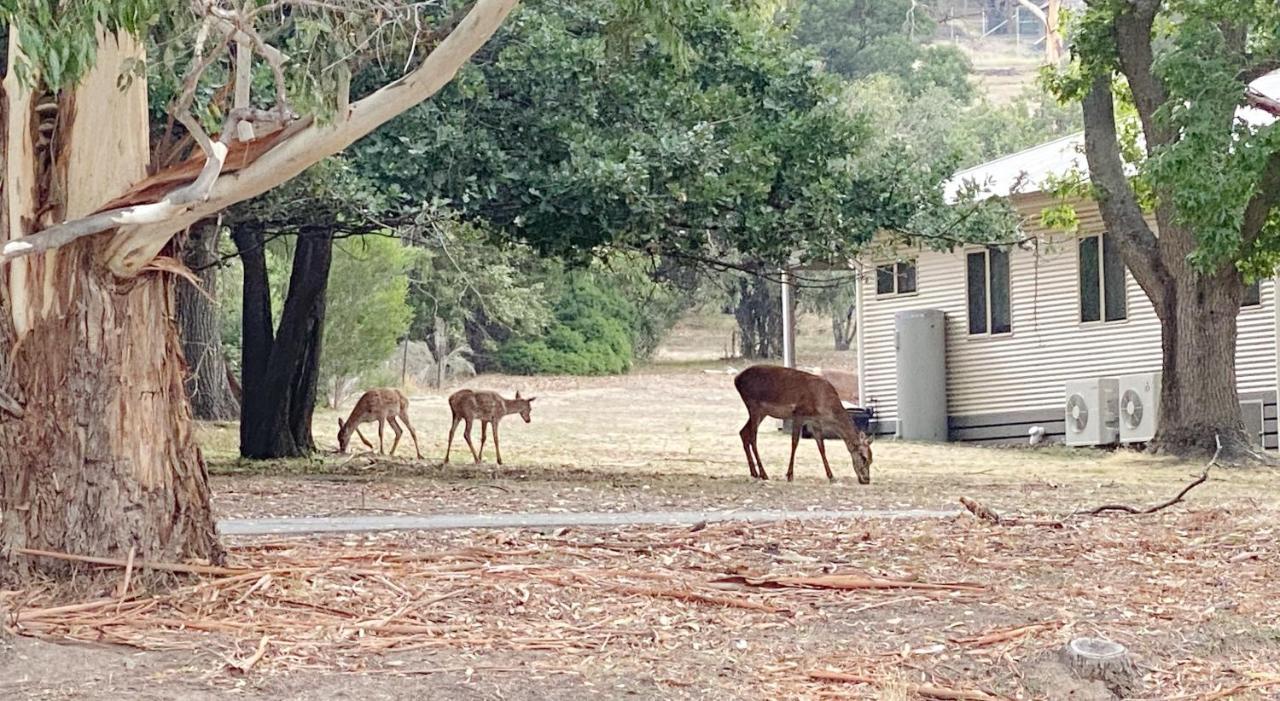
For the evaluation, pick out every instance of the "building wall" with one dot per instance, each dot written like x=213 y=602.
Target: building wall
x=998 y=385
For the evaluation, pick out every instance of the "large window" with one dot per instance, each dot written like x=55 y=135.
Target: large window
x=988 y=284
x=1102 y=280
x=896 y=278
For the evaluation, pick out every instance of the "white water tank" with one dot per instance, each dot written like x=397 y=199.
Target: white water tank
x=920 y=345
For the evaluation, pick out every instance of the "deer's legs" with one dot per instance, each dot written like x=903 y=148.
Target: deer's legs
x=748 y=434
x=466 y=433
x=364 y=440
x=822 y=450
x=382 y=423
x=448 y=448
x=395 y=427
x=796 y=425
x=496 y=449
x=484 y=433
x=404 y=416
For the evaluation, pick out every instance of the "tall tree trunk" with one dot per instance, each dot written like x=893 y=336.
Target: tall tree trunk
x=1199 y=404
x=201 y=329
x=759 y=316
x=281 y=370
x=97 y=455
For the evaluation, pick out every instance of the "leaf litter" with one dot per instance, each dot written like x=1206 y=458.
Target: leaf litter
x=946 y=609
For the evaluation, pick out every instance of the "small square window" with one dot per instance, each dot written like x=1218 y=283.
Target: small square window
x=896 y=278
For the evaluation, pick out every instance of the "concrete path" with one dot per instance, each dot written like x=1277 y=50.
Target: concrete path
x=368 y=524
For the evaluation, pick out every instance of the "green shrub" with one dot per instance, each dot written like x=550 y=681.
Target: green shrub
x=592 y=333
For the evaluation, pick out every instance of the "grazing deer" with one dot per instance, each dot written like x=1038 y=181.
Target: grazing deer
x=489 y=407
x=783 y=393
x=381 y=405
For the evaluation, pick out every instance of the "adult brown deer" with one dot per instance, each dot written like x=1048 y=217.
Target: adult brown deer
x=783 y=393
x=489 y=407
x=384 y=405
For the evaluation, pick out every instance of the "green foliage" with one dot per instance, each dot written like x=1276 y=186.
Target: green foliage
x=557 y=140
x=1212 y=164
x=60 y=40
x=480 y=289
x=366 y=312
x=589 y=335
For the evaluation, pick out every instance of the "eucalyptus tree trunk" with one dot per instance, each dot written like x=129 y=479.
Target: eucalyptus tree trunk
x=97 y=455
x=211 y=394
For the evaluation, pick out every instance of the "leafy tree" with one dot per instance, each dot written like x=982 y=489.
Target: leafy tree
x=85 y=328
x=1160 y=83
x=367 y=310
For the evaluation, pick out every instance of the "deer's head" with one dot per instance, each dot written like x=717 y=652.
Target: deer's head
x=344 y=436
x=523 y=406
x=859 y=445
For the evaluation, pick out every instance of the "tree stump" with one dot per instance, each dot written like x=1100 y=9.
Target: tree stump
x=1102 y=660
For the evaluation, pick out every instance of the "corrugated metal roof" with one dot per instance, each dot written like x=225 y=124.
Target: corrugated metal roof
x=1030 y=170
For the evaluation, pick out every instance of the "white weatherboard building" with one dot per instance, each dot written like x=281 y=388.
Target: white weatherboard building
x=1020 y=323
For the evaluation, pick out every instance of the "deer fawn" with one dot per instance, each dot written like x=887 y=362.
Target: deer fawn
x=783 y=393
x=489 y=407
x=381 y=405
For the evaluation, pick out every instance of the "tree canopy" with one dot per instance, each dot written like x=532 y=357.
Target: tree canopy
x=558 y=137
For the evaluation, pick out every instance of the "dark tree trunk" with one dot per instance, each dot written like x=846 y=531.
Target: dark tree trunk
x=759 y=316
x=1199 y=405
x=281 y=370
x=199 y=325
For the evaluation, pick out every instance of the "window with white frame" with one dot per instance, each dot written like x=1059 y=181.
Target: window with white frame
x=987 y=274
x=1102 y=280
x=896 y=278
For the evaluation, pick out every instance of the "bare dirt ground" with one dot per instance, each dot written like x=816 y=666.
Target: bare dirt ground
x=945 y=608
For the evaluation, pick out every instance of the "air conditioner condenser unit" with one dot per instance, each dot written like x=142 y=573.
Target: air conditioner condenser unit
x=1139 y=406
x=1091 y=412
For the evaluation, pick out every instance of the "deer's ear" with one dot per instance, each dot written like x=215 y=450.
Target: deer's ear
x=531 y=399
x=517 y=394
x=341 y=423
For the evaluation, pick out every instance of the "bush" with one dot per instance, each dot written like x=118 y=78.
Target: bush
x=592 y=333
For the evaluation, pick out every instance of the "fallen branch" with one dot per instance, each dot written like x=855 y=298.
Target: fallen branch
x=138 y=564
x=1125 y=508
x=926 y=690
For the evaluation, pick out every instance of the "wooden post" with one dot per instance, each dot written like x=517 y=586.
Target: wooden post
x=1052 y=37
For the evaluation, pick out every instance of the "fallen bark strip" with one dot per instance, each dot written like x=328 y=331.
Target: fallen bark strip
x=926 y=690
x=985 y=513
x=846 y=581
x=138 y=564
x=683 y=595
x=999 y=636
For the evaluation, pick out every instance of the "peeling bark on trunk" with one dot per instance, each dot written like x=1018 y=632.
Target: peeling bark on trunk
x=281 y=370
x=102 y=458
x=211 y=395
